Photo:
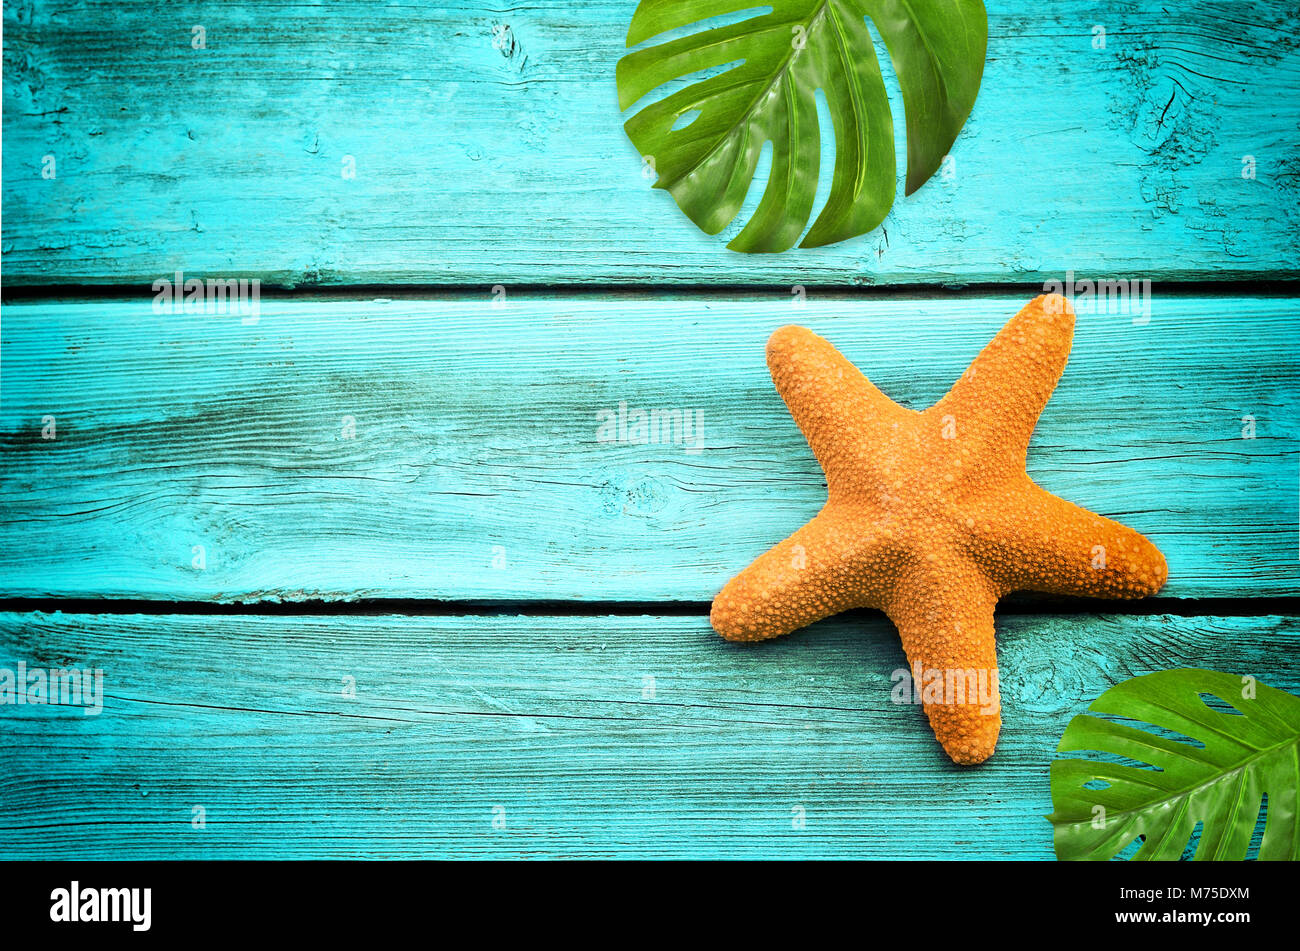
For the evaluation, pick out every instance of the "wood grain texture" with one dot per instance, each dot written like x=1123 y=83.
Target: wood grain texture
x=484 y=165
x=477 y=469
x=551 y=719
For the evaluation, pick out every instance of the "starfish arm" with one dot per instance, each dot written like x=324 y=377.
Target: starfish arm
x=1035 y=541
x=944 y=615
x=826 y=394
x=814 y=573
x=997 y=401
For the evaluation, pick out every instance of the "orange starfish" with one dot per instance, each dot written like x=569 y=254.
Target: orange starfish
x=931 y=518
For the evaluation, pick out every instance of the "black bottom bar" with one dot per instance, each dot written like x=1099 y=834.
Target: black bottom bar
x=947 y=902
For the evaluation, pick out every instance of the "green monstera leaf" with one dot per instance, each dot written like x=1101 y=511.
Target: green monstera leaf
x=704 y=140
x=1211 y=765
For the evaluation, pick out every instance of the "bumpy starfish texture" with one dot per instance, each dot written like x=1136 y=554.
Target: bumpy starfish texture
x=932 y=518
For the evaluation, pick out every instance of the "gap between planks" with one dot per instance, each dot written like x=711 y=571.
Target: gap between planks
x=1020 y=603
x=837 y=290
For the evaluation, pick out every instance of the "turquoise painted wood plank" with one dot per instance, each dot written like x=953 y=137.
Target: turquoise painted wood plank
x=478 y=466
x=499 y=163
x=596 y=737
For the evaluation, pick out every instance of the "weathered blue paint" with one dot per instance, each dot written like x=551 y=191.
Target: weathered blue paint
x=478 y=467
x=589 y=737
x=449 y=448
x=488 y=149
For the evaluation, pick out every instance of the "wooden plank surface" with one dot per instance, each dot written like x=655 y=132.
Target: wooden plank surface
x=477 y=468
x=551 y=719
x=503 y=164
